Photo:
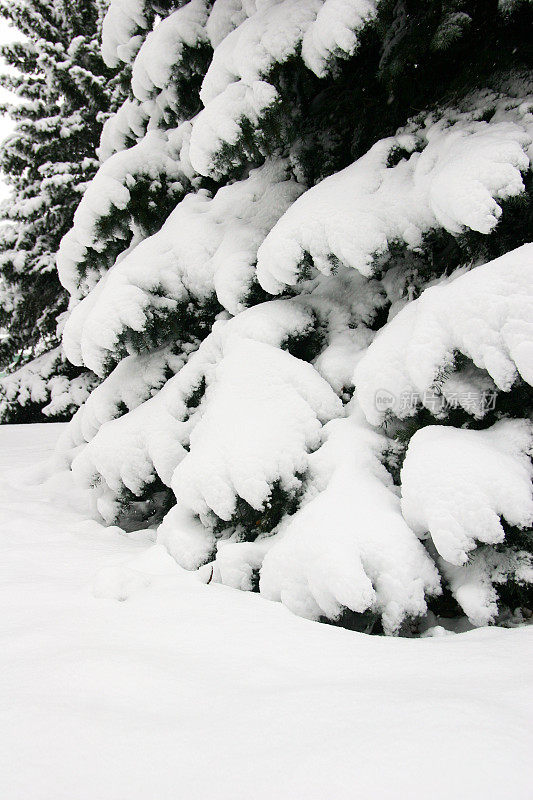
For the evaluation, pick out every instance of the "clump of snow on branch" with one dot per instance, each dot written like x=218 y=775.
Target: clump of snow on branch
x=225 y=16
x=206 y=247
x=348 y=546
x=41 y=383
x=132 y=382
x=484 y=314
x=131 y=450
x=219 y=125
x=250 y=40
x=123 y=129
x=465 y=169
x=458 y=484
x=335 y=32
x=177 y=46
x=158 y=155
x=122 y=29
x=250 y=52
x=162 y=53
x=263 y=415
x=475 y=585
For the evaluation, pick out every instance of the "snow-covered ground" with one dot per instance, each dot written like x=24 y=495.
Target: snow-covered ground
x=202 y=692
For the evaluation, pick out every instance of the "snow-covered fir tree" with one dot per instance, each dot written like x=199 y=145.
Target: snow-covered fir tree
x=65 y=93
x=303 y=273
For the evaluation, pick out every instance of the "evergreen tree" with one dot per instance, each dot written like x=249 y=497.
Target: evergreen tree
x=65 y=92
x=301 y=273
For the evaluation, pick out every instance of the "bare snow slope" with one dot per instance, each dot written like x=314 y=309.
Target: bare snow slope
x=203 y=693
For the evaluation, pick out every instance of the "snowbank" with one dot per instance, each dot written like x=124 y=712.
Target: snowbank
x=160 y=685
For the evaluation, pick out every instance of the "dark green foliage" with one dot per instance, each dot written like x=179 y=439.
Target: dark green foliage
x=429 y=48
x=247 y=522
x=515 y=538
x=151 y=201
x=398 y=154
x=393 y=457
x=187 y=80
x=306 y=344
x=181 y=323
x=195 y=397
x=419 y=53
x=445 y=605
x=145 y=510
x=366 y=622
x=513 y=593
x=514 y=228
x=255 y=294
x=253 y=144
x=517 y=403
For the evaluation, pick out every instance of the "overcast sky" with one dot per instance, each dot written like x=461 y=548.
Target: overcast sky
x=7 y=34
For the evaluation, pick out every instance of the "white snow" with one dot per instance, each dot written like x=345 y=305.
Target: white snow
x=335 y=32
x=39 y=382
x=206 y=247
x=163 y=51
x=457 y=487
x=121 y=38
x=220 y=124
x=250 y=38
x=457 y=484
x=151 y=439
x=475 y=584
x=250 y=52
x=354 y=216
x=124 y=677
x=225 y=16
x=348 y=545
x=135 y=379
x=157 y=154
x=264 y=413
x=486 y=314
x=127 y=125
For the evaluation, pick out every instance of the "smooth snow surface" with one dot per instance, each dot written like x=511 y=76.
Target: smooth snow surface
x=191 y=691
